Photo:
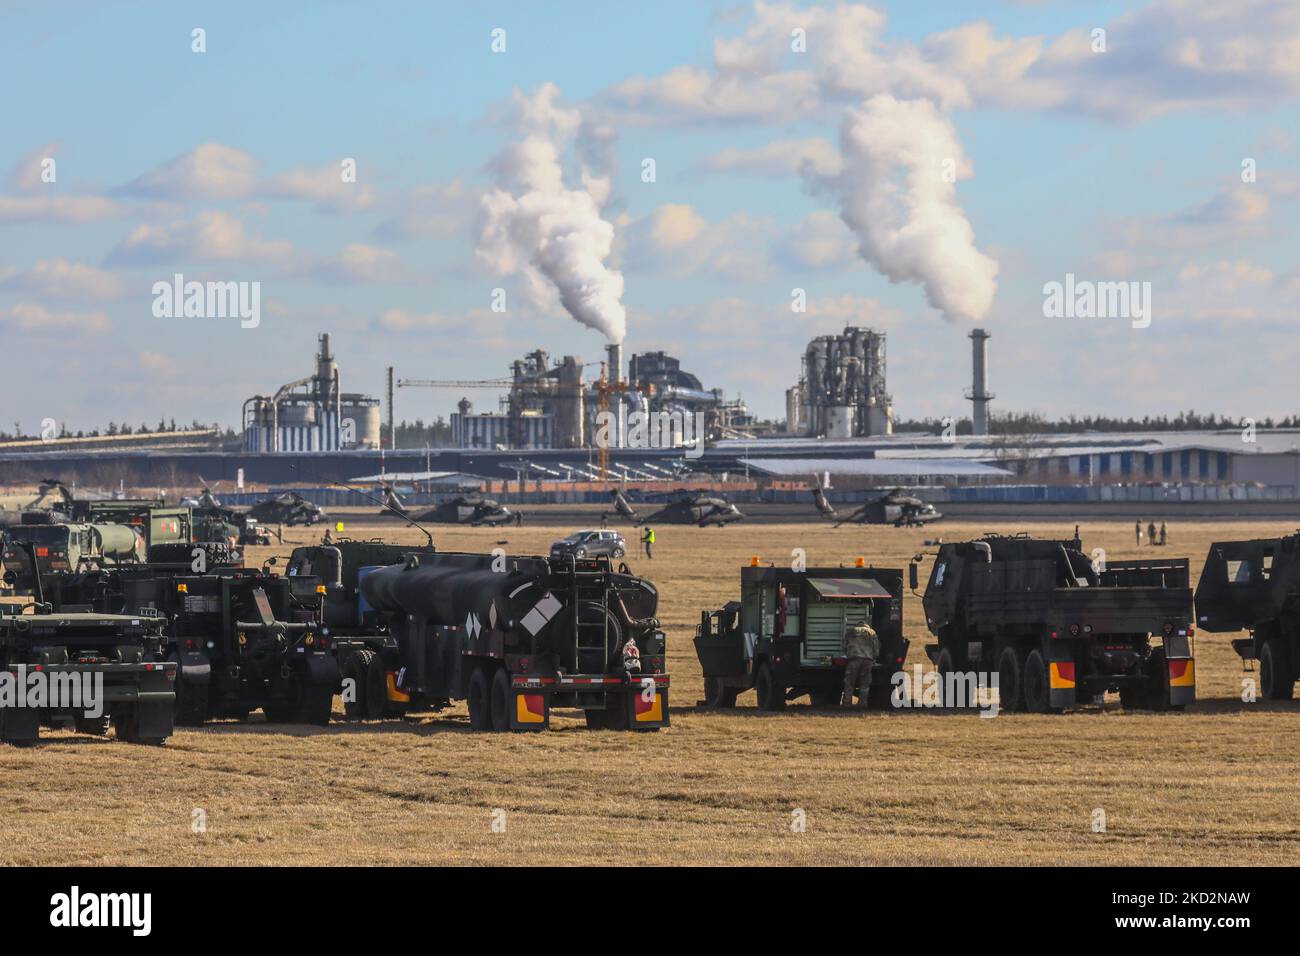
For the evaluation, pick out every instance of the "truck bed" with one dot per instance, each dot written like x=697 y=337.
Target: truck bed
x=1106 y=609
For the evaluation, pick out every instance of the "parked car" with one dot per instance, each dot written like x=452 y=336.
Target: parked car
x=590 y=544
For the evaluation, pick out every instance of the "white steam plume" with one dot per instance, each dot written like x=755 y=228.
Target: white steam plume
x=553 y=237
x=896 y=198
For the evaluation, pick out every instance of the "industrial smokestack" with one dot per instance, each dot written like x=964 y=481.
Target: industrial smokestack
x=615 y=352
x=979 y=394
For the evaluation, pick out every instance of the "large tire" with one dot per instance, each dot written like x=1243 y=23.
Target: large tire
x=881 y=696
x=1037 y=685
x=1011 y=680
x=1276 y=670
x=825 y=698
x=479 y=698
x=94 y=726
x=126 y=727
x=355 y=667
x=944 y=666
x=191 y=709
x=501 y=699
x=770 y=696
x=376 y=696
x=1157 y=685
x=316 y=705
x=717 y=694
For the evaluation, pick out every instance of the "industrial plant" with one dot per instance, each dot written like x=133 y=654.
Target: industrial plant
x=550 y=405
x=312 y=413
x=841 y=391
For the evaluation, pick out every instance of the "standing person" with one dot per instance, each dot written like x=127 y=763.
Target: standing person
x=1163 y=531
x=648 y=542
x=1137 y=531
x=1151 y=533
x=861 y=647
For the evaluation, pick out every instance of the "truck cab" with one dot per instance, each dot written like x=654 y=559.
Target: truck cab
x=784 y=638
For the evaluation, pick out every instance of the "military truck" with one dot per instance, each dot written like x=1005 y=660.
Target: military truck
x=784 y=638
x=516 y=637
x=68 y=547
x=1255 y=586
x=1057 y=627
x=242 y=638
x=153 y=521
x=96 y=669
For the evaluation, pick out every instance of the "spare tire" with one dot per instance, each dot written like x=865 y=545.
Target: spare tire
x=560 y=638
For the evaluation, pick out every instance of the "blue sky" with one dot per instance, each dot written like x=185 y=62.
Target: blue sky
x=1123 y=164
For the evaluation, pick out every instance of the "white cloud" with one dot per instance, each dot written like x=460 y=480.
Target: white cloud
x=33 y=317
x=63 y=280
x=778 y=157
x=78 y=210
x=211 y=236
x=209 y=171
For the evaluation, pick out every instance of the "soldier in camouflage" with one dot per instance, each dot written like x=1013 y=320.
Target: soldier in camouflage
x=862 y=647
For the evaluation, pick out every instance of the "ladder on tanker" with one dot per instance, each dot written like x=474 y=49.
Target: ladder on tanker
x=591 y=638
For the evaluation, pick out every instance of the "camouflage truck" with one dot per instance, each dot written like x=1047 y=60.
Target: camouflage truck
x=515 y=637
x=112 y=662
x=785 y=636
x=1059 y=629
x=151 y=519
x=242 y=638
x=1254 y=586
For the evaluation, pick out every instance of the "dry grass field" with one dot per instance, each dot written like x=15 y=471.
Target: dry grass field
x=1214 y=785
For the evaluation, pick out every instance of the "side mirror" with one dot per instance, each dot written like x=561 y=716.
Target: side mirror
x=11 y=578
x=912 y=577
x=272 y=560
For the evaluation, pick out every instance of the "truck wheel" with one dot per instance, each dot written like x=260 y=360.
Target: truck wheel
x=825 y=698
x=501 y=700
x=718 y=694
x=480 y=700
x=317 y=705
x=376 y=696
x=1157 y=684
x=770 y=696
x=355 y=667
x=1010 y=680
x=1276 y=675
x=191 y=701
x=94 y=726
x=1037 y=689
x=126 y=727
x=595 y=719
x=943 y=667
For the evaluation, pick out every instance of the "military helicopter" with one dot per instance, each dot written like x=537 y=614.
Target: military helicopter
x=622 y=508
x=473 y=510
x=289 y=508
x=824 y=507
x=702 y=510
x=896 y=508
x=392 y=504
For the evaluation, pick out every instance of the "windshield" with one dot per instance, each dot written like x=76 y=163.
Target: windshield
x=41 y=534
x=575 y=537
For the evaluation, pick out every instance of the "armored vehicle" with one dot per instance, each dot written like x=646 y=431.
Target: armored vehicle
x=1255 y=586
x=243 y=639
x=785 y=636
x=1059 y=628
x=91 y=668
x=515 y=637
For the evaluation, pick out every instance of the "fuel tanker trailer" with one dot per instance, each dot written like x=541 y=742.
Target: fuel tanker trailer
x=514 y=636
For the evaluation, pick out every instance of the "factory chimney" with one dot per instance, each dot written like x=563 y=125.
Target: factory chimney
x=979 y=394
x=615 y=352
